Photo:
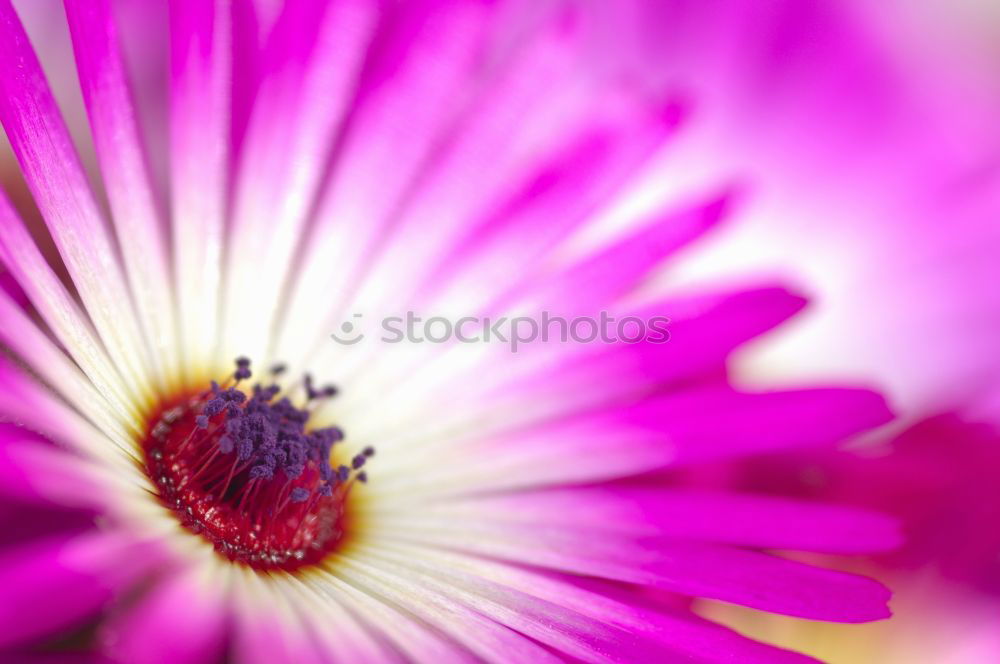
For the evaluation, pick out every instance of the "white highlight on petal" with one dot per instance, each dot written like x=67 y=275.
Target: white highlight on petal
x=487 y=639
x=121 y=153
x=55 y=305
x=299 y=108
x=55 y=176
x=199 y=171
x=24 y=338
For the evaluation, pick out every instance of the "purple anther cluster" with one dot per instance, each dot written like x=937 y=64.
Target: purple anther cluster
x=270 y=435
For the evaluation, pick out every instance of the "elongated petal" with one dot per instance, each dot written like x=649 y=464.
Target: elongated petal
x=24 y=401
x=697 y=426
x=37 y=471
x=200 y=69
x=56 y=178
x=703 y=330
x=354 y=626
x=312 y=63
x=135 y=208
x=268 y=627
x=498 y=386
x=60 y=311
x=731 y=518
x=678 y=429
x=182 y=620
x=486 y=639
x=564 y=630
x=519 y=234
x=427 y=54
x=742 y=577
x=386 y=632
x=599 y=280
x=527 y=119
x=57 y=583
x=686 y=635
x=23 y=337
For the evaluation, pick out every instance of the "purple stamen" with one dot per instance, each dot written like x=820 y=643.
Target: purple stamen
x=230 y=479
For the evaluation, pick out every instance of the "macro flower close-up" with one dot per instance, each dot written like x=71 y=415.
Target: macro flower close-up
x=378 y=331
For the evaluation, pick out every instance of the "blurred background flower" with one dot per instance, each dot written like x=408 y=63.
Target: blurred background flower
x=939 y=477
x=863 y=140
x=868 y=137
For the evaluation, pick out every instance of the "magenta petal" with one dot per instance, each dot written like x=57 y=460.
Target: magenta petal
x=678 y=429
x=200 y=70
x=704 y=330
x=178 y=622
x=24 y=522
x=425 y=51
x=311 y=66
x=32 y=469
x=55 y=584
x=564 y=630
x=54 y=304
x=614 y=271
x=25 y=402
x=127 y=177
x=260 y=637
x=769 y=583
x=720 y=517
x=752 y=579
x=716 y=423
x=55 y=175
x=692 y=637
x=552 y=199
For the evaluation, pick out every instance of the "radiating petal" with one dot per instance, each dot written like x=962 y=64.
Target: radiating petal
x=25 y=402
x=368 y=629
x=611 y=604
x=135 y=209
x=532 y=109
x=182 y=620
x=749 y=578
x=488 y=386
x=599 y=280
x=24 y=338
x=564 y=630
x=266 y=628
x=721 y=517
x=35 y=470
x=61 y=313
x=311 y=66
x=200 y=70
x=675 y=429
x=56 y=178
x=506 y=252
x=486 y=639
x=351 y=626
x=55 y=584
x=425 y=53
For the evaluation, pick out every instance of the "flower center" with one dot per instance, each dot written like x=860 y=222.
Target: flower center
x=244 y=471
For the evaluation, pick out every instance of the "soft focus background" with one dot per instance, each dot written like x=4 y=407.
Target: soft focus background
x=866 y=137
x=862 y=138
x=864 y=141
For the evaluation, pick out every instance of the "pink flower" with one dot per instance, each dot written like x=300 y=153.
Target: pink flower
x=868 y=134
x=937 y=476
x=339 y=159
